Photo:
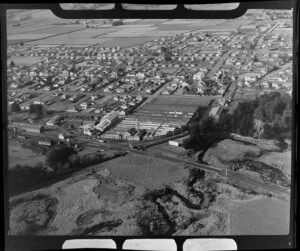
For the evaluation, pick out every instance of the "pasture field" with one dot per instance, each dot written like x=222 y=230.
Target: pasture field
x=19 y=155
x=24 y=60
x=266 y=216
x=130 y=32
x=146 y=172
x=28 y=36
x=84 y=37
x=152 y=21
x=126 y=41
x=31 y=20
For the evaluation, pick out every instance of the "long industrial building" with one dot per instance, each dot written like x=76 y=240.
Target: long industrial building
x=159 y=117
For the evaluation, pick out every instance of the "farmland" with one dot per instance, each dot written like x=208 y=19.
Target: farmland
x=251 y=218
x=25 y=60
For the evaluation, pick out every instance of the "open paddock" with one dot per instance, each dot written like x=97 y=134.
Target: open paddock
x=130 y=32
x=146 y=172
x=126 y=41
x=20 y=155
x=260 y=217
x=25 y=60
x=86 y=36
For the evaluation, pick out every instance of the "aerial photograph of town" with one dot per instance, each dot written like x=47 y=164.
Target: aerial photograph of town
x=149 y=127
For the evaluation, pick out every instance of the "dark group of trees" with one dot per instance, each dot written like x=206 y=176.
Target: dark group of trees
x=59 y=159
x=274 y=110
x=22 y=177
x=58 y=156
x=15 y=107
x=38 y=110
x=167 y=53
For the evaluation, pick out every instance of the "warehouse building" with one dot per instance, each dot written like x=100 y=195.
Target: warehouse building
x=32 y=128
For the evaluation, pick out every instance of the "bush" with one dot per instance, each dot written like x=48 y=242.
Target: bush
x=58 y=156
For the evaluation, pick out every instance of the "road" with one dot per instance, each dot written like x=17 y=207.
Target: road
x=261 y=39
x=281 y=68
x=221 y=61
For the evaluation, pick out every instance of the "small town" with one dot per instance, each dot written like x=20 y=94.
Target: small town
x=178 y=117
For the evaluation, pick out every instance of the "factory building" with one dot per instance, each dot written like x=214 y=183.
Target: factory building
x=32 y=128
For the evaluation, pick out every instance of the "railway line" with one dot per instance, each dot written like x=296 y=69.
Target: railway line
x=222 y=172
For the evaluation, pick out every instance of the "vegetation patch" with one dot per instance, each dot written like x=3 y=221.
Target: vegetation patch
x=267 y=172
x=28 y=217
x=88 y=217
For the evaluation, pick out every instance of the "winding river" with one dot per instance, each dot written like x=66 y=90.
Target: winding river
x=154 y=195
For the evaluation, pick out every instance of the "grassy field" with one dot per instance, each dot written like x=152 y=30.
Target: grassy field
x=22 y=156
x=25 y=60
x=86 y=36
x=126 y=41
x=146 y=172
x=260 y=217
x=281 y=160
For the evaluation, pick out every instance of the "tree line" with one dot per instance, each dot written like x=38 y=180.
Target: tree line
x=59 y=159
x=267 y=117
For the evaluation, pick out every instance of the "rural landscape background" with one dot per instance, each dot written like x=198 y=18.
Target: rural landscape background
x=149 y=127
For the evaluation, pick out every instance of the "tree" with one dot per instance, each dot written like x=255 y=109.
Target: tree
x=37 y=109
x=15 y=107
x=12 y=64
x=58 y=156
x=206 y=125
x=225 y=122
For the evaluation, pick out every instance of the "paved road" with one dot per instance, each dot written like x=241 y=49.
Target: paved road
x=221 y=61
x=261 y=39
x=281 y=68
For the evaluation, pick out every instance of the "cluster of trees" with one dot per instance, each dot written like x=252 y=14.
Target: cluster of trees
x=38 y=110
x=60 y=158
x=15 y=107
x=22 y=177
x=274 y=110
x=167 y=52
